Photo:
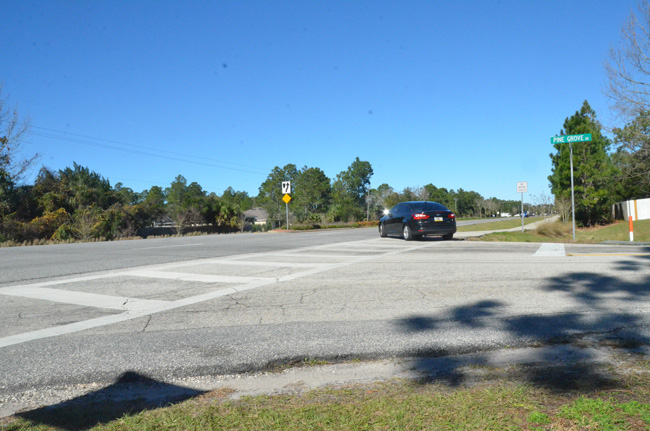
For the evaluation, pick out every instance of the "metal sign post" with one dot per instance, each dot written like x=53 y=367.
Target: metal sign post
x=286 y=189
x=522 y=187
x=573 y=202
x=585 y=137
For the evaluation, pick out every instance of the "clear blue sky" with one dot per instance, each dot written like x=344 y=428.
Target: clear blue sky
x=461 y=94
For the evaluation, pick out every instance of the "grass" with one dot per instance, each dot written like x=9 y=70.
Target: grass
x=389 y=405
x=497 y=225
x=562 y=232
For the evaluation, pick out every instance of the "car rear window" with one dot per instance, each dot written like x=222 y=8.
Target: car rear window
x=430 y=206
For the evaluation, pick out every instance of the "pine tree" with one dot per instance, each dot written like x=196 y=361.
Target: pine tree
x=593 y=170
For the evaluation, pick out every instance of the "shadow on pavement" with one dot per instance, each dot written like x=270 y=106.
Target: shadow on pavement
x=131 y=393
x=616 y=326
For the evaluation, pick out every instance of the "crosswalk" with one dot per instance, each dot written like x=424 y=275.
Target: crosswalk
x=215 y=275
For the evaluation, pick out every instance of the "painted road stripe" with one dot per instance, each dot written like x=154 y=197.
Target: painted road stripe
x=203 y=278
x=81 y=298
x=550 y=250
x=168 y=246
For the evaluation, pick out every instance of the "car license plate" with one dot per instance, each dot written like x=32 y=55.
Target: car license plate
x=437 y=219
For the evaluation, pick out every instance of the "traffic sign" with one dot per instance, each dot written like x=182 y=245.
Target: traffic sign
x=286 y=199
x=522 y=187
x=286 y=187
x=585 y=137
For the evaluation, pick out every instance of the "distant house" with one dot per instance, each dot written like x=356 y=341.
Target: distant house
x=256 y=216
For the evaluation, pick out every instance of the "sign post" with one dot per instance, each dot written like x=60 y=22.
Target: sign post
x=286 y=189
x=630 y=218
x=585 y=137
x=522 y=187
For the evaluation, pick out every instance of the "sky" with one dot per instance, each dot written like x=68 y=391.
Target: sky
x=459 y=94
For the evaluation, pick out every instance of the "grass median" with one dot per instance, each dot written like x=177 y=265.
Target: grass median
x=498 y=225
x=562 y=232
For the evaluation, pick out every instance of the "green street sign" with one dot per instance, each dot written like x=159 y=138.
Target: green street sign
x=585 y=137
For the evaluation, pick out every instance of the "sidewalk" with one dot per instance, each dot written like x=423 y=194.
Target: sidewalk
x=531 y=226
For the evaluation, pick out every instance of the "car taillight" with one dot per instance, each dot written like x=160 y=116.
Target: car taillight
x=451 y=216
x=420 y=216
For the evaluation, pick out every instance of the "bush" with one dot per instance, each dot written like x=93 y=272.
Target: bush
x=554 y=230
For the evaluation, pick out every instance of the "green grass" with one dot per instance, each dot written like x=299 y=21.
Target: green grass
x=497 y=225
x=391 y=405
x=562 y=232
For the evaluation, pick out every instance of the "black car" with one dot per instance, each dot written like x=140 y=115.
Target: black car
x=415 y=219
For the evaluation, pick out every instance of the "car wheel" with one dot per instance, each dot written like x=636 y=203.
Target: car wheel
x=448 y=237
x=406 y=233
x=382 y=230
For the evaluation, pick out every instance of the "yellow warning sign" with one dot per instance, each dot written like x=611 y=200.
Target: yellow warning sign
x=286 y=199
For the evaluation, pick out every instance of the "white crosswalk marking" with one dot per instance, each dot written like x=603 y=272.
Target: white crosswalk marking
x=81 y=298
x=550 y=250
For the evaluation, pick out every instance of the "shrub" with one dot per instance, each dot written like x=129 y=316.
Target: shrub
x=553 y=230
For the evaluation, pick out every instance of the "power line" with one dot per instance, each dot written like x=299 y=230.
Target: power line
x=141 y=150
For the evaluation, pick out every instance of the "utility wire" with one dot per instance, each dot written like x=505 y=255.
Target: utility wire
x=138 y=149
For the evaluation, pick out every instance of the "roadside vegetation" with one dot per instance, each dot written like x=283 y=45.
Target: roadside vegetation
x=500 y=399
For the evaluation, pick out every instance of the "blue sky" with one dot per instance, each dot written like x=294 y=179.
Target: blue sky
x=461 y=94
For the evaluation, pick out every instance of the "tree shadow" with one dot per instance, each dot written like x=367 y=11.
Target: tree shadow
x=131 y=393
x=544 y=334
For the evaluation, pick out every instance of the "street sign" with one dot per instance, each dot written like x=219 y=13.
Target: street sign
x=522 y=187
x=286 y=198
x=286 y=187
x=585 y=137
x=569 y=139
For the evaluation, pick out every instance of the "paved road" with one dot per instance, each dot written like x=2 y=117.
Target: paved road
x=224 y=304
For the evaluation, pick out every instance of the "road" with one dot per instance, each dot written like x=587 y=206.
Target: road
x=193 y=306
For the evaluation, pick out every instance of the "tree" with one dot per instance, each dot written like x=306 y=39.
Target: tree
x=184 y=203
x=83 y=187
x=312 y=194
x=126 y=195
x=440 y=195
x=12 y=168
x=154 y=204
x=628 y=66
x=12 y=131
x=349 y=191
x=386 y=197
x=632 y=157
x=593 y=169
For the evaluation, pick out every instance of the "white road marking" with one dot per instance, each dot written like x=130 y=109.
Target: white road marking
x=203 y=278
x=550 y=250
x=81 y=298
x=168 y=246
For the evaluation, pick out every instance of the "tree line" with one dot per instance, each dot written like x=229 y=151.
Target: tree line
x=77 y=203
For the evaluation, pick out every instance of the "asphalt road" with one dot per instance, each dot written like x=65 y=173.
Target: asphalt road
x=180 y=307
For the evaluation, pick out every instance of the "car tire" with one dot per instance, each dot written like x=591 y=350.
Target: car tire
x=448 y=237
x=406 y=233
x=382 y=230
